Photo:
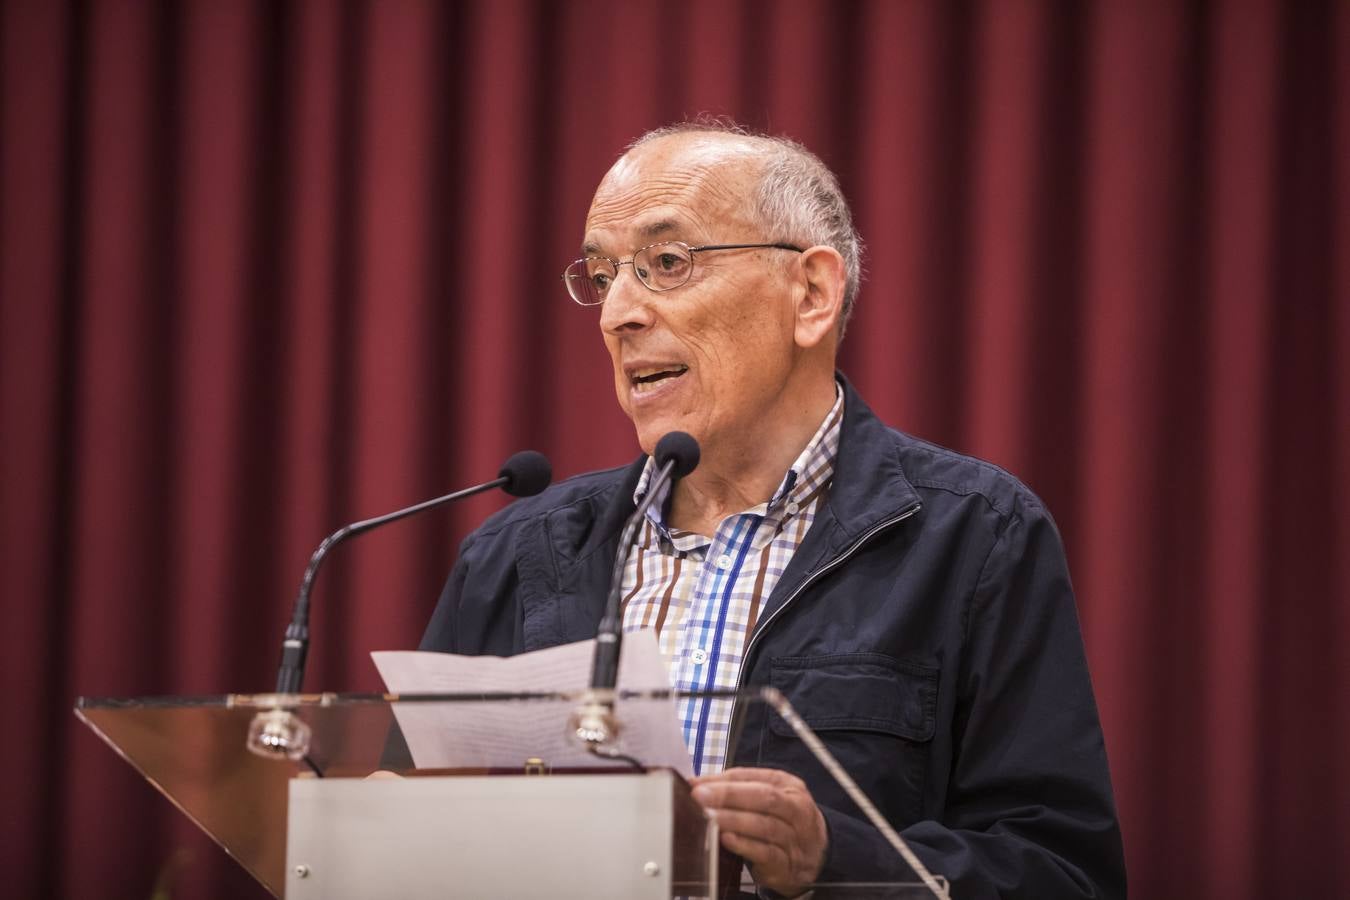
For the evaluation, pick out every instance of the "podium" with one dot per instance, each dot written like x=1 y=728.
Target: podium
x=315 y=795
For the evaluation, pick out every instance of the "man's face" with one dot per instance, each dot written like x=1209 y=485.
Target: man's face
x=710 y=357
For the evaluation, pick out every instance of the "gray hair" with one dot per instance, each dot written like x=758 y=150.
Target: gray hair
x=798 y=198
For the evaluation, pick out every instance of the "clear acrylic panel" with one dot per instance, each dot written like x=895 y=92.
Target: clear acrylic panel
x=228 y=761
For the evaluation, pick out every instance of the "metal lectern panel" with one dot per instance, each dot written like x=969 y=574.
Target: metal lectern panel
x=529 y=838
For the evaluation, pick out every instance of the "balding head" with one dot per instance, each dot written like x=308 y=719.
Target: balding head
x=706 y=176
x=794 y=196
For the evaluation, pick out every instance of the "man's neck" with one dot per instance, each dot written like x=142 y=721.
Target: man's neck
x=732 y=479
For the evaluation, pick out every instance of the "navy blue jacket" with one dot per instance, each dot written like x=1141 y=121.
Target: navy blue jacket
x=925 y=629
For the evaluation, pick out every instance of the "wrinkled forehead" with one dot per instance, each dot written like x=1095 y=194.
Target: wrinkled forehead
x=683 y=187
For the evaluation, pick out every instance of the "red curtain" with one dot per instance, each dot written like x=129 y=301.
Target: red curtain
x=266 y=268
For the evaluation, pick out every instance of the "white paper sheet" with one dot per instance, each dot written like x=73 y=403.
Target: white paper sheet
x=505 y=734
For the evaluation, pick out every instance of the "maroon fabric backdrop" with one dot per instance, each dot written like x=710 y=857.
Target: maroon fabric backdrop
x=267 y=268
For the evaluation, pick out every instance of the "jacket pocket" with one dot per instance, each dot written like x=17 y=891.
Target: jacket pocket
x=858 y=692
x=876 y=714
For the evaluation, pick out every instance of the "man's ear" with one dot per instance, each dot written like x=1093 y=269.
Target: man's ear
x=822 y=303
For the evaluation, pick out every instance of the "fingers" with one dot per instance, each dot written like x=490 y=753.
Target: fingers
x=755 y=798
x=768 y=817
x=766 y=791
x=751 y=773
x=770 y=829
x=762 y=857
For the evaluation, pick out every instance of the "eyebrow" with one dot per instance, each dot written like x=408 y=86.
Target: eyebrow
x=646 y=232
x=658 y=228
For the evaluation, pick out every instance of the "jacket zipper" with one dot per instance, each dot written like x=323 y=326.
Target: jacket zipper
x=809 y=580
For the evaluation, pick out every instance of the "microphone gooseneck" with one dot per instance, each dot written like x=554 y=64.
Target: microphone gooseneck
x=523 y=475
x=593 y=721
x=677 y=455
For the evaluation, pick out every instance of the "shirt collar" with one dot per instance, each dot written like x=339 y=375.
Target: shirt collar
x=812 y=467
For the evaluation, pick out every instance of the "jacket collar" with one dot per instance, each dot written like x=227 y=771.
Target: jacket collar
x=869 y=486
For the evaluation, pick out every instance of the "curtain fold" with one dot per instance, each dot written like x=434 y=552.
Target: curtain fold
x=266 y=268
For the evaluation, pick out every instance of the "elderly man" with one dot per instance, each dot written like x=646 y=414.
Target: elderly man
x=912 y=603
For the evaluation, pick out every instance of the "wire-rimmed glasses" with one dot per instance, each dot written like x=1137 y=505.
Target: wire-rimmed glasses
x=660 y=267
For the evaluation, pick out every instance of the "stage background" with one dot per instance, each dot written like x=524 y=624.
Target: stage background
x=270 y=267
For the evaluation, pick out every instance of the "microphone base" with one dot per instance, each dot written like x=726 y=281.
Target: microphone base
x=278 y=734
x=593 y=722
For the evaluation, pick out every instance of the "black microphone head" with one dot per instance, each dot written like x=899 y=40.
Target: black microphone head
x=681 y=448
x=528 y=473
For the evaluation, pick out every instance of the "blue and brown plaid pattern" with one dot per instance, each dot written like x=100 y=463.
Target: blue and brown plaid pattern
x=703 y=594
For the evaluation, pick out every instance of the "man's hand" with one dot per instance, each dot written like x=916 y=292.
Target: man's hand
x=768 y=817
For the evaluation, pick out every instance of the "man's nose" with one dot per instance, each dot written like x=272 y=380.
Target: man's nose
x=628 y=303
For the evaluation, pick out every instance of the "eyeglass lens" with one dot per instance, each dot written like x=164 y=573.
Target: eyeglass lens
x=661 y=267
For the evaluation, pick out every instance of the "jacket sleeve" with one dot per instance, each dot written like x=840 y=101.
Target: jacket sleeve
x=1028 y=809
x=478 y=612
x=441 y=632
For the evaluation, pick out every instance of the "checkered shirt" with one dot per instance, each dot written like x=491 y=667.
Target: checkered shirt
x=703 y=594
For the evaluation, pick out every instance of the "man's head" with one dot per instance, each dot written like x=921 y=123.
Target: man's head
x=743 y=351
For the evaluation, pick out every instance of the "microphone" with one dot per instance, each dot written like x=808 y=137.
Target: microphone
x=523 y=475
x=676 y=456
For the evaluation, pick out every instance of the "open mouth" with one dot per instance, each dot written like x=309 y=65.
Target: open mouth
x=646 y=379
